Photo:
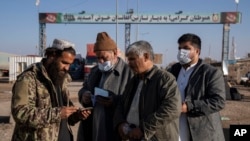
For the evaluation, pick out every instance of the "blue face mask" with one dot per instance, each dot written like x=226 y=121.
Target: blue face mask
x=105 y=66
x=183 y=56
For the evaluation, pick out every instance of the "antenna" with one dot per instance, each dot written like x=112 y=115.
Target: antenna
x=37 y=2
x=237 y=3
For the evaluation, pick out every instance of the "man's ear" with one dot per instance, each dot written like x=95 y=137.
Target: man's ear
x=50 y=58
x=115 y=52
x=146 y=56
x=198 y=51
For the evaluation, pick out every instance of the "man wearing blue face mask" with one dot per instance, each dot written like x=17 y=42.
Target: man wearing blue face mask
x=111 y=74
x=202 y=91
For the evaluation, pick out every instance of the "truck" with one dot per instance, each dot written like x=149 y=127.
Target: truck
x=90 y=60
x=76 y=68
x=4 y=63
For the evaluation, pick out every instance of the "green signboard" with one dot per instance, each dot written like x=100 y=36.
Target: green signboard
x=209 y=18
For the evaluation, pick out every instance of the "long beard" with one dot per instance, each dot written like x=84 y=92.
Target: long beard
x=56 y=75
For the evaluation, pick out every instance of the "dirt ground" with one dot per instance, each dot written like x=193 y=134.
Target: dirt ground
x=6 y=121
x=235 y=112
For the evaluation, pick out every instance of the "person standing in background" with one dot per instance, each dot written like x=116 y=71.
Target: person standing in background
x=202 y=88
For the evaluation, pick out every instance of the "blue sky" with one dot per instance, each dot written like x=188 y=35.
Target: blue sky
x=19 y=25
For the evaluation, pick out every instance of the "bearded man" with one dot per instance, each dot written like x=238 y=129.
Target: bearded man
x=40 y=103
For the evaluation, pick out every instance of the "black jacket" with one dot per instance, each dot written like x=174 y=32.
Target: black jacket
x=159 y=105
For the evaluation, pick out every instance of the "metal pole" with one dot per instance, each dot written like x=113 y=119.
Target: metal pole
x=127 y=5
x=42 y=38
x=225 y=42
x=116 y=38
x=137 y=27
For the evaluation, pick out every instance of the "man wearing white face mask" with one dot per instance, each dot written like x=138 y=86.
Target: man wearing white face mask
x=105 y=66
x=202 y=91
x=111 y=74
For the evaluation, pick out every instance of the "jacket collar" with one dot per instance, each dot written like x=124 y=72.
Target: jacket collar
x=40 y=67
x=148 y=75
x=177 y=67
x=200 y=61
x=119 y=66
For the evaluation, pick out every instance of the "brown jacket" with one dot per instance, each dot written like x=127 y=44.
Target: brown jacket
x=35 y=108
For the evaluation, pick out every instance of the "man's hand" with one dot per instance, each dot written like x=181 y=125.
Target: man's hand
x=86 y=98
x=184 y=107
x=135 y=133
x=105 y=101
x=67 y=111
x=121 y=131
x=85 y=114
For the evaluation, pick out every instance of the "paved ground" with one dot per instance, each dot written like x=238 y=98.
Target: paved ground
x=235 y=112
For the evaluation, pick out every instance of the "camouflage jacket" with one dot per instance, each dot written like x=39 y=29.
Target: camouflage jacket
x=35 y=106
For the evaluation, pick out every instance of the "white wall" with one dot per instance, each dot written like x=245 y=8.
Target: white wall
x=18 y=64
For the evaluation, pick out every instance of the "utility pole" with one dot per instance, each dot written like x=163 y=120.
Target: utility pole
x=209 y=54
x=137 y=25
x=116 y=38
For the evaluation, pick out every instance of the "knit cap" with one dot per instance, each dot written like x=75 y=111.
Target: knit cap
x=104 y=42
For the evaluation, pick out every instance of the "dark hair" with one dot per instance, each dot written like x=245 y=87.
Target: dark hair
x=51 y=51
x=189 y=37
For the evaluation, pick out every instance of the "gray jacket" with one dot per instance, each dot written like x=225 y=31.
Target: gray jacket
x=205 y=97
x=159 y=106
x=115 y=84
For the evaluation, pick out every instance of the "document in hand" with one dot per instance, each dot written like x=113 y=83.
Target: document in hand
x=101 y=92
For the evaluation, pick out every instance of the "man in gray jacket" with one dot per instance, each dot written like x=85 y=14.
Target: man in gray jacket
x=150 y=106
x=202 y=90
x=111 y=74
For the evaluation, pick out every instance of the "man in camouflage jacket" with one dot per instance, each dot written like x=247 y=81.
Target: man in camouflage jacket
x=40 y=103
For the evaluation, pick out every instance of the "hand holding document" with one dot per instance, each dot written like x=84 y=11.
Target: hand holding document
x=99 y=92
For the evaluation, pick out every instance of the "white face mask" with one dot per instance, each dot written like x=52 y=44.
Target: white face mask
x=105 y=66
x=183 y=56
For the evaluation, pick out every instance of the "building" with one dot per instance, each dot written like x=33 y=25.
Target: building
x=17 y=64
